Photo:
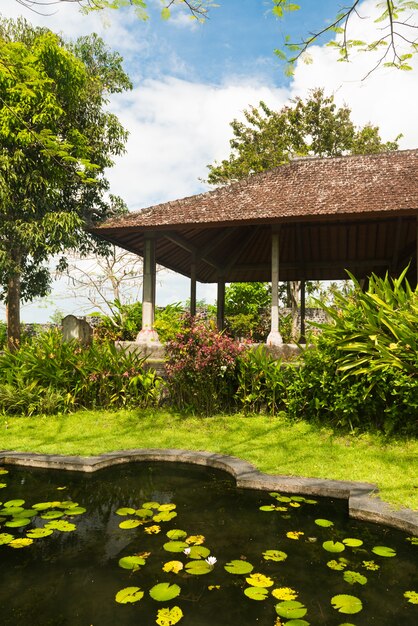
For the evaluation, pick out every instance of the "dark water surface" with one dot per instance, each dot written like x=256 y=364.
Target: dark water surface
x=71 y=579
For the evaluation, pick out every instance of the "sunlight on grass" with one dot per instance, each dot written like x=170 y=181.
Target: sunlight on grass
x=274 y=445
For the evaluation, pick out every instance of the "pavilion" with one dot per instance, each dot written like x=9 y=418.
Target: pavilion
x=311 y=219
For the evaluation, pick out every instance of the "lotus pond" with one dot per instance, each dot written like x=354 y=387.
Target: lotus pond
x=166 y=544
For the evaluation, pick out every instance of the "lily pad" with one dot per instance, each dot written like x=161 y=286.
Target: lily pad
x=125 y=510
x=17 y=522
x=297 y=622
x=75 y=510
x=3 y=485
x=18 y=502
x=324 y=523
x=26 y=513
x=352 y=543
x=338 y=565
x=131 y=562
x=238 y=566
x=143 y=513
x=411 y=596
x=274 y=555
x=61 y=525
x=169 y=617
x=347 y=604
x=21 y=542
x=151 y=505
x=259 y=580
x=3 y=471
x=52 y=514
x=256 y=593
x=195 y=540
x=5 y=538
x=176 y=534
x=129 y=523
x=42 y=506
x=291 y=609
x=175 y=546
x=164 y=592
x=173 y=566
x=333 y=546
x=198 y=568
x=167 y=507
x=165 y=516
x=384 y=551
x=39 y=533
x=129 y=595
x=198 y=552
x=11 y=510
x=351 y=578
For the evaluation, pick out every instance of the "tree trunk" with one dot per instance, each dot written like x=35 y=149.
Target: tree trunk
x=13 y=312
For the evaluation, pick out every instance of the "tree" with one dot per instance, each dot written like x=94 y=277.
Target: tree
x=56 y=139
x=315 y=127
x=394 y=28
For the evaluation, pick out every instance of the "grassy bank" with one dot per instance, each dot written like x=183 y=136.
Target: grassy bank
x=274 y=445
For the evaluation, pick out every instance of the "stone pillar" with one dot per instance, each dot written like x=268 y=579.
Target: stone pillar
x=220 y=304
x=274 y=338
x=193 y=286
x=147 y=334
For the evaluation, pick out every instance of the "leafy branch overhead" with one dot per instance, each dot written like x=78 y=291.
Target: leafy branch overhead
x=198 y=9
x=395 y=34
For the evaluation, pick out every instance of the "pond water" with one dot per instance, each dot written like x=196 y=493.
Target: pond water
x=281 y=569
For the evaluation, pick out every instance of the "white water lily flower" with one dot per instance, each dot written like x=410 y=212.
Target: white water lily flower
x=211 y=560
x=186 y=551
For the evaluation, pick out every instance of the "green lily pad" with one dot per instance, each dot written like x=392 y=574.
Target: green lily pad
x=165 y=516
x=61 y=525
x=297 y=622
x=131 y=562
x=3 y=471
x=67 y=504
x=347 y=604
x=163 y=592
x=129 y=523
x=26 y=513
x=267 y=507
x=42 y=506
x=14 y=503
x=129 y=595
x=198 y=552
x=176 y=534
x=175 y=546
x=75 y=510
x=352 y=543
x=125 y=510
x=38 y=533
x=17 y=522
x=413 y=540
x=274 y=555
x=238 y=566
x=354 y=577
x=3 y=485
x=291 y=609
x=324 y=523
x=170 y=506
x=151 y=505
x=143 y=513
x=198 y=568
x=333 y=546
x=11 y=510
x=411 y=596
x=5 y=538
x=384 y=551
x=256 y=593
x=169 y=617
x=338 y=565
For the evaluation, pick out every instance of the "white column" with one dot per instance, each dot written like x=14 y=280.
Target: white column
x=147 y=334
x=274 y=338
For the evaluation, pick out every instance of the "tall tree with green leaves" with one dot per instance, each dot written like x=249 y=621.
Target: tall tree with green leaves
x=311 y=127
x=56 y=140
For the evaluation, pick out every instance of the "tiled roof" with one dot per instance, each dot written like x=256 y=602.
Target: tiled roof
x=305 y=188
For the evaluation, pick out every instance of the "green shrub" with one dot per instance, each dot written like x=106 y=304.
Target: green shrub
x=169 y=321
x=123 y=324
x=201 y=368
x=47 y=375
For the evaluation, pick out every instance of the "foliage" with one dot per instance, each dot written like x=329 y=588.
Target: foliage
x=395 y=27
x=247 y=310
x=56 y=140
x=315 y=127
x=169 y=321
x=362 y=371
x=123 y=324
x=47 y=375
x=201 y=368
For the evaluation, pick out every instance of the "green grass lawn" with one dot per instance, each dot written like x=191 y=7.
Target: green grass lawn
x=274 y=445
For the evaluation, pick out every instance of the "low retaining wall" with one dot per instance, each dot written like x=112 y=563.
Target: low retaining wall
x=362 y=499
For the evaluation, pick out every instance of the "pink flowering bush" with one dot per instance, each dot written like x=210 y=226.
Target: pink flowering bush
x=202 y=368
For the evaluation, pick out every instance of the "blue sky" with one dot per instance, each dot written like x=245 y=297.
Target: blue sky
x=191 y=80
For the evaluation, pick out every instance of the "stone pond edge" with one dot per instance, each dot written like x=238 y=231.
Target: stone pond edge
x=363 y=501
